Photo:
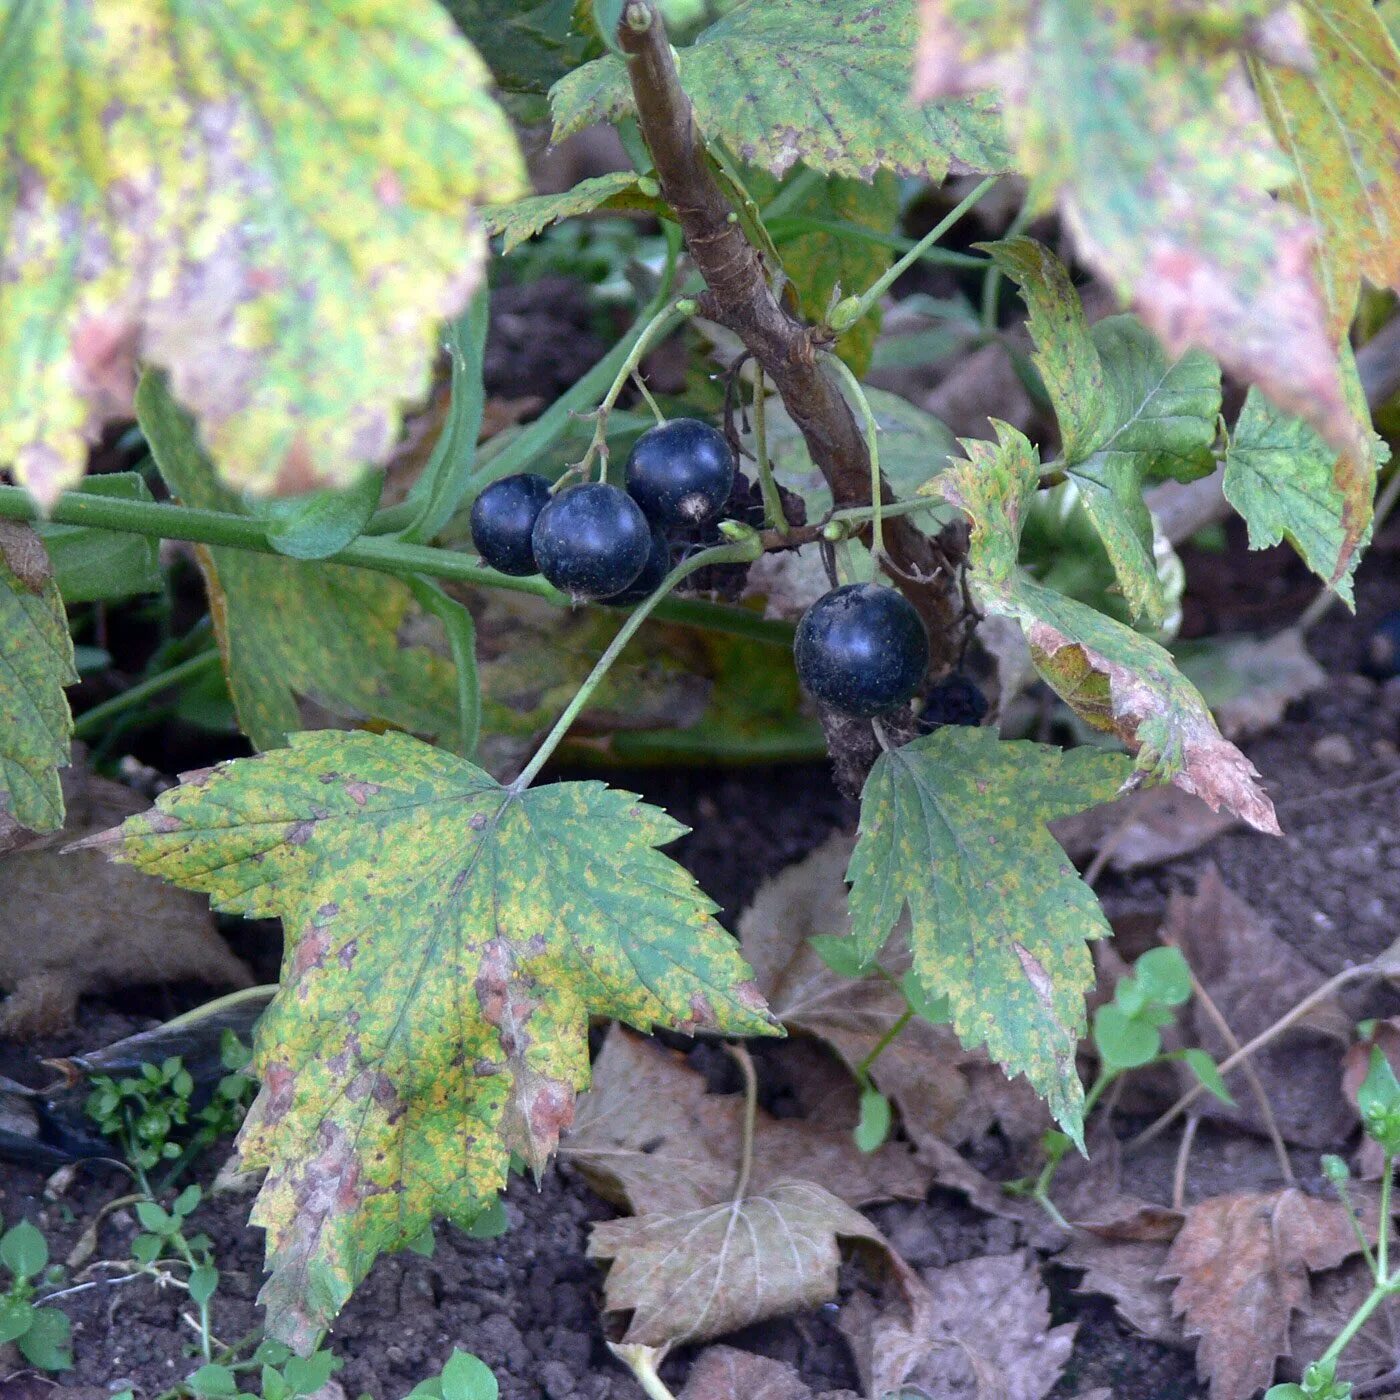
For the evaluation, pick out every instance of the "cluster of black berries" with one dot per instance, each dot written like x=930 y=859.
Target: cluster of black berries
x=597 y=541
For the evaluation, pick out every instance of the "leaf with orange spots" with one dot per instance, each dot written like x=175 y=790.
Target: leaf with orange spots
x=276 y=203
x=953 y=830
x=448 y=940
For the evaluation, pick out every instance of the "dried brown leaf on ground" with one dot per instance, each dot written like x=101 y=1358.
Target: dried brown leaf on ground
x=976 y=1330
x=1127 y=1273
x=1254 y=977
x=688 y=1275
x=1249 y=682
x=647 y=1135
x=1148 y=827
x=725 y=1373
x=75 y=924
x=1243 y=1262
x=1336 y=1295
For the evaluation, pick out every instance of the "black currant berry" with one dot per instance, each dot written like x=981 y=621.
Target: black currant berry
x=591 y=541
x=861 y=649
x=957 y=699
x=656 y=568
x=503 y=519
x=680 y=473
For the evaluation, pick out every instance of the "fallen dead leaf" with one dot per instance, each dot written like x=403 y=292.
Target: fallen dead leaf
x=689 y=1275
x=976 y=1330
x=1249 y=682
x=647 y=1135
x=1147 y=827
x=1127 y=1274
x=725 y=1373
x=1243 y=1262
x=1336 y=1295
x=1254 y=977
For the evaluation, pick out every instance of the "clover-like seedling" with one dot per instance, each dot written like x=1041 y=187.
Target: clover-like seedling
x=41 y=1333
x=1378 y=1100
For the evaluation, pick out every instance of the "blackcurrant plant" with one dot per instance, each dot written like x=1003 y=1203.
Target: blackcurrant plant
x=503 y=522
x=591 y=541
x=681 y=473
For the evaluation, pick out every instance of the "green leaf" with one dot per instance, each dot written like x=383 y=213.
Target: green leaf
x=213 y=1381
x=1378 y=1100
x=844 y=956
x=823 y=82
x=291 y=633
x=873 y=1125
x=491 y=1224
x=1340 y=122
x=46 y=1344
x=275 y=203
x=1123 y=1041
x=618 y=189
x=23 y=1251
x=101 y=565
x=1288 y=484
x=1114 y=678
x=16 y=1314
x=1208 y=1072
x=307 y=1374
x=1127 y=415
x=933 y=1009
x=1135 y=120
x=607 y=15
x=528 y=46
x=466 y=1377
x=1164 y=975
x=155 y=1218
x=952 y=828
x=320 y=523
x=447 y=941
x=36 y=662
x=203 y=1284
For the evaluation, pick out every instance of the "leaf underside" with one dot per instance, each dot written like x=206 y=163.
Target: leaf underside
x=277 y=203
x=447 y=942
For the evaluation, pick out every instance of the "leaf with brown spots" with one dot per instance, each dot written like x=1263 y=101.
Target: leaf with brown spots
x=276 y=203
x=447 y=941
x=1243 y=1262
x=1140 y=122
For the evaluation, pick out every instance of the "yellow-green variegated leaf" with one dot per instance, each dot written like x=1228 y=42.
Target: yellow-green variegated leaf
x=1114 y=678
x=521 y=221
x=824 y=82
x=276 y=202
x=36 y=662
x=953 y=830
x=447 y=941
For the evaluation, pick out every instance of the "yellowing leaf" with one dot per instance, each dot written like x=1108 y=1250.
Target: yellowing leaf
x=1114 y=678
x=36 y=662
x=1142 y=126
x=618 y=189
x=952 y=829
x=274 y=202
x=824 y=82
x=346 y=641
x=447 y=941
x=1341 y=124
x=685 y=1276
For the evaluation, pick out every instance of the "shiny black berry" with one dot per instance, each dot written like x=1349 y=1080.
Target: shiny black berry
x=591 y=541
x=957 y=699
x=503 y=519
x=1383 y=648
x=656 y=568
x=861 y=649
x=681 y=473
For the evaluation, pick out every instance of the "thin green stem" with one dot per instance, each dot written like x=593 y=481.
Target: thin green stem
x=884 y=1042
x=872 y=444
x=641 y=1361
x=1096 y=1090
x=877 y=289
x=1383 y=1238
x=94 y=721
x=744 y=1060
x=646 y=394
x=1355 y=1221
x=1359 y=1318
x=742 y=551
x=797 y=189
x=772 y=499
x=784 y=230
x=383 y=555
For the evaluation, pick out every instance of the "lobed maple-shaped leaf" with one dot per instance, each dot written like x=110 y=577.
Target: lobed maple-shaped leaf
x=688 y=1275
x=277 y=203
x=521 y=221
x=347 y=641
x=1339 y=119
x=1114 y=678
x=824 y=82
x=1127 y=415
x=447 y=941
x=1289 y=484
x=1139 y=121
x=953 y=830
x=36 y=662
x=649 y=1136
x=1243 y=1262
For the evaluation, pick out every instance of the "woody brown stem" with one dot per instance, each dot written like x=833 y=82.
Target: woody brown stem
x=741 y=299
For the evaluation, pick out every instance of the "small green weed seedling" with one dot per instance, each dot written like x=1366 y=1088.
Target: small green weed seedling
x=41 y=1333
x=464 y=1377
